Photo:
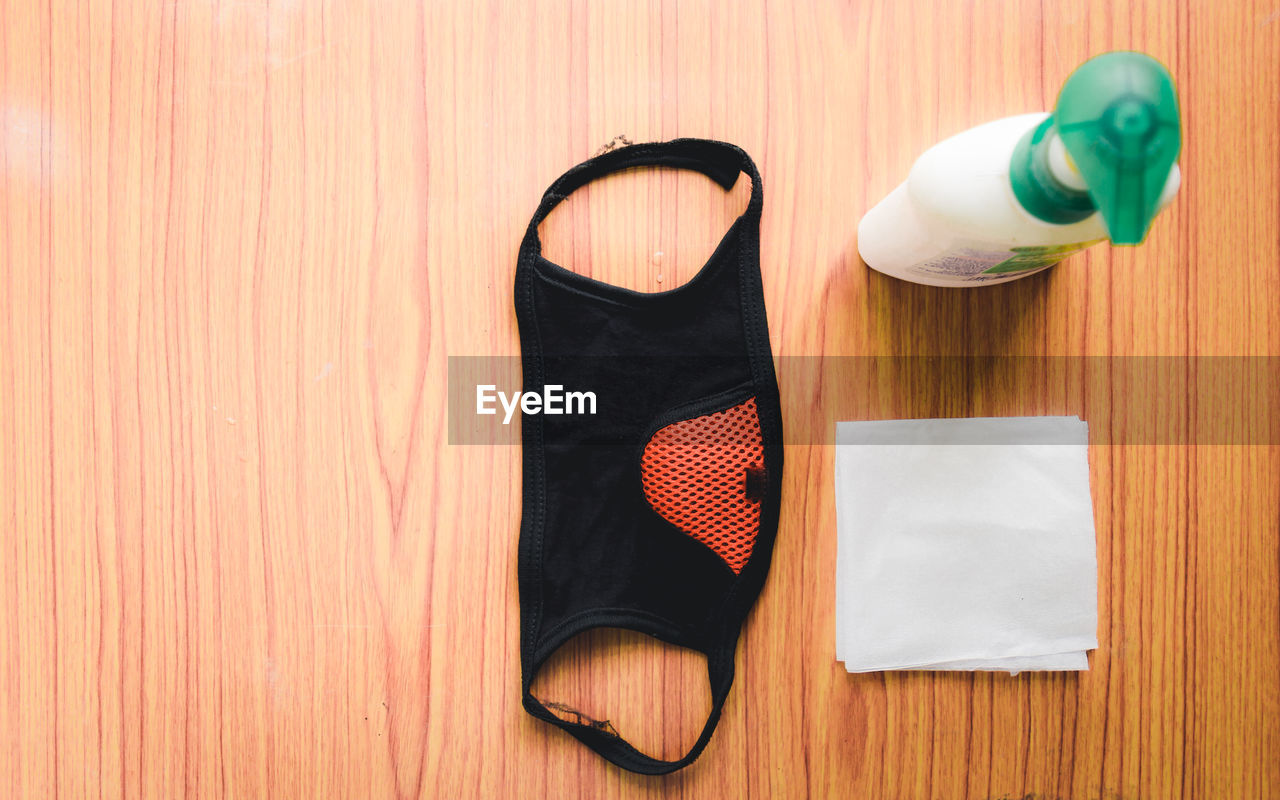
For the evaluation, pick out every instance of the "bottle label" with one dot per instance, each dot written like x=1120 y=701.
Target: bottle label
x=979 y=262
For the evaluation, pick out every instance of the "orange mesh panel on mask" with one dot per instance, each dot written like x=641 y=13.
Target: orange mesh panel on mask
x=696 y=475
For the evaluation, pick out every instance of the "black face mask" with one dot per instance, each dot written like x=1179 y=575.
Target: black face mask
x=658 y=512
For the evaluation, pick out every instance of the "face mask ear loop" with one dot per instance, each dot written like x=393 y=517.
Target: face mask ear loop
x=719 y=161
x=609 y=744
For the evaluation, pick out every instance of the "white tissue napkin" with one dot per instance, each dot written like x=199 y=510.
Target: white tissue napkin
x=965 y=544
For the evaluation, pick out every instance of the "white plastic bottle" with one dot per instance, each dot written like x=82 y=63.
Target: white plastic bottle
x=1013 y=197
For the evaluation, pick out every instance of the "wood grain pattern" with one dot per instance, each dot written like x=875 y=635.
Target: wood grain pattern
x=239 y=240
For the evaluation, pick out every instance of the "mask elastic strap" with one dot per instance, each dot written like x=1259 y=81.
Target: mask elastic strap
x=602 y=738
x=719 y=161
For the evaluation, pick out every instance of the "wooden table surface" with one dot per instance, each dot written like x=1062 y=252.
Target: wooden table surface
x=240 y=241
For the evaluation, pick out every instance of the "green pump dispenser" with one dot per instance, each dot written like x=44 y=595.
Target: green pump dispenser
x=1117 y=118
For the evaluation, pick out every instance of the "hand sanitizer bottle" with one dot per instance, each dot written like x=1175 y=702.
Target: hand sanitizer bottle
x=1013 y=197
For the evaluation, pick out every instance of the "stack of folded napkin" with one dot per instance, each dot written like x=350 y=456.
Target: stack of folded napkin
x=965 y=544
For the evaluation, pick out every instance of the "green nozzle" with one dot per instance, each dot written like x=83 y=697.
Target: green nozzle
x=1117 y=118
